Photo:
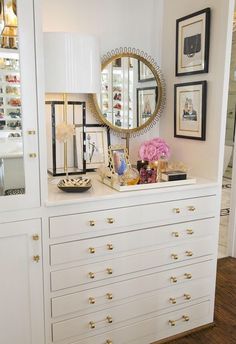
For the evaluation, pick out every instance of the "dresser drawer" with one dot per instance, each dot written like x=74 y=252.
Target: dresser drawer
x=118 y=316
x=94 y=299
x=92 y=249
x=107 y=270
x=95 y=222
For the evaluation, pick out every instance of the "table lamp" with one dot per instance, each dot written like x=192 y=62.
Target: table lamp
x=72 y=66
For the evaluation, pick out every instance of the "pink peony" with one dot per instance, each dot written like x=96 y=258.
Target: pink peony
x=154 y=149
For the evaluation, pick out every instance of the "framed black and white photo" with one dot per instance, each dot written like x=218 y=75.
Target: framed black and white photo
x=190 y=110
x=192 y=43
x=146 y=103
x=144 y=72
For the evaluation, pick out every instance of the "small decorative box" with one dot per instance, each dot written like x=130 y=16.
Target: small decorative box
x=170 y=176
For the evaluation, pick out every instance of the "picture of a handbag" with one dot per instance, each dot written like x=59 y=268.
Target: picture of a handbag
x=192 y=45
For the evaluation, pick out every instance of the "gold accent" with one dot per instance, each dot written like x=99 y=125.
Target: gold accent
x=184 y=317
x=175 y=234
x=92 y=223
x=92 y=324
x=91 y=275
x=189 y=231
x=33 y=155
x=191 y=208
x=174 y=256
x=172 y=322
x=111 y=162
x=108 y=341
x=109 y=296
x=173 y=279
x=35 y=237
x=110 y=220
x=173 y=300
x=110 y=247
x=187 y=296
x=189 y=253
x=92 y=300
x=65 y=143
x=109 y=319
x=36 y=258
x=31 y=132
x=188 y=276
x=109 y=271
x=92 y=250
x=176 y=210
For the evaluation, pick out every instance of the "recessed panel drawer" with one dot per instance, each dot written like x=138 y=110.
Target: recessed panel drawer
x=95 y=222
x=84 y=274
x=108 y=296
x=106 y=247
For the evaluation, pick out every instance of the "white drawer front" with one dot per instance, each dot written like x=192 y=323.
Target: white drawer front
x=104 y=297
x=107 y=319
x=96 y=222
x=84 y=274
x=92 y=249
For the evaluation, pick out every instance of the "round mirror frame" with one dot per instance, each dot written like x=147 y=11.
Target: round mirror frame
x=150 y=63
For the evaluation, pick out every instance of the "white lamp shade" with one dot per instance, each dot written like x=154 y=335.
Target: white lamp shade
x=72 y=63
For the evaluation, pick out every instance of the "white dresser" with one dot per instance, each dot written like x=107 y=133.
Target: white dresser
x=132 y=268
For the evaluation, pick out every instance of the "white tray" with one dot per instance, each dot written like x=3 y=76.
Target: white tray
x=138 y=187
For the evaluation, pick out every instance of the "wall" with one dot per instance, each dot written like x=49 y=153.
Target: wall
x=203 y=157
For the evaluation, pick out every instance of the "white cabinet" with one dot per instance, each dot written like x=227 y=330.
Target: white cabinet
x=21 y=291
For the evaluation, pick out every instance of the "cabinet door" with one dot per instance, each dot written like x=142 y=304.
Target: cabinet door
x=19 y=164
x=21 y=290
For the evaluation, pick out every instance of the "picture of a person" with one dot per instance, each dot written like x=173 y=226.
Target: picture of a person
x=120 y=165
x=189 y=114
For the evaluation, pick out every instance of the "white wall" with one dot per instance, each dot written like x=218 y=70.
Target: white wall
x=203 y=157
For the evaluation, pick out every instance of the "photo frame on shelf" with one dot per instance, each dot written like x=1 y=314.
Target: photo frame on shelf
x=96 y=139
x=190 y=110
x=144 y=72
x=146 y=103
x=118 y=159
x=192 y=43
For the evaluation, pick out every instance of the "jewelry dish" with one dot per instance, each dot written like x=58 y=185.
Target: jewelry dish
x=74 y=184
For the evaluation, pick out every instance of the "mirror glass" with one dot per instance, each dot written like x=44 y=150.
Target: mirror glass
x=130 y=93
x=11 y=145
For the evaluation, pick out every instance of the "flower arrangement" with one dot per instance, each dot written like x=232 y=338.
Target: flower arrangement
x=154 y=149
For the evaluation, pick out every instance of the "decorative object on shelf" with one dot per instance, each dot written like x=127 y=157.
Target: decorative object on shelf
x=74 y=184
x=154 y=149
x=68 y=70
x=144 y=72
x=118 y=159
x=141 y=163
x=10 y=24
x=131 y=176
x=192 y=43
x=146 y=103
x=190 y=110
x=169 y=176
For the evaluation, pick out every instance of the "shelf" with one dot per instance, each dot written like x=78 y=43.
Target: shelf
x=9 y=53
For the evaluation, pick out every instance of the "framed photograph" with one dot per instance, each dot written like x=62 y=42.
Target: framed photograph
x=97 y=141
x=190 y=110
x=146 y=103
x=119 y=160
x=192 y=43
x=144 y=72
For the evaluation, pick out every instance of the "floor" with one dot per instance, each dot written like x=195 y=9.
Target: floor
x=225 y=313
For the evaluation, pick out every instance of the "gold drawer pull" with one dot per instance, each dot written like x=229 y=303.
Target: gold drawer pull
x=110 y=247
x=173 y=300
x=36 y=258
x=31 y=132
x=175 y=234
x=91 y=275
x=173 y=279
x=187 y=297
x=189 y=253
x=190 y=231
x=33 y=155
x=176 y=210
x=184 y=317
x=174 y=256
x=92 y=324
x=92 y=300
x=91 y=223
x=188 y=276
x=109 y=296
x=108 y=341
x=109 y=319
x=109 y=271
x=110 y=220
x=92 y=250
x=35 y=237
x=191 y=208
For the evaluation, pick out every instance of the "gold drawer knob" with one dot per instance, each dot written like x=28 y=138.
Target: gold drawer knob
x=189 y=253
x=109 y=271
x=92 y=250
x=109 y=319
x=173 y=300
x=176 y=210
x=108 y=341
x=191 y=208
x=172 y=322
x=91 y=223
x=186 y=318
x=36 y=258
x=173 y=279
x=175 y=234
x=110 y=220
x=187 y=297
x=109 y=296
x=35 y=237
x=190 y=231
x=91 y=275
x=92 y=300
x=33 y=155
x=188 y=276
x=31 y=132
x=174 y=256
x=110 y=247
x=92 y=324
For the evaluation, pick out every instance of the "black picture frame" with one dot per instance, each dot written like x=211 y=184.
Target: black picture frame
x=143 y=89
x=190 y=105
x=140 y=78
x=193 y=45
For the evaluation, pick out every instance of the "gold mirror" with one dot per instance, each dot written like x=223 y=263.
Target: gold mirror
x=132 y=93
